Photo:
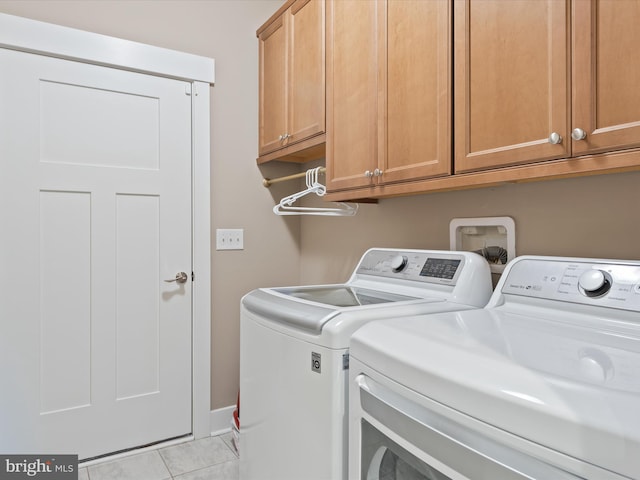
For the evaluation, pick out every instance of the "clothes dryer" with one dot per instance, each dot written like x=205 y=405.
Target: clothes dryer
x=294 y=356
x=543 y=383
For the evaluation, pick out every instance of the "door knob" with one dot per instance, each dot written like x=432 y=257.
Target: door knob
x=181 y=277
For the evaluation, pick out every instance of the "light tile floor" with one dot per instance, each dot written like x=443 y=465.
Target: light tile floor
x=211 y=458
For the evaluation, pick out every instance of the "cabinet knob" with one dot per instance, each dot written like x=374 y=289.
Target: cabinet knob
x=578 y=134
x=283 y=137
x=555 y=138
x=377 y=172
x=368 y=174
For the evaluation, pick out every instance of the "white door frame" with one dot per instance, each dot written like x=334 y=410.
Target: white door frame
x=17 y=33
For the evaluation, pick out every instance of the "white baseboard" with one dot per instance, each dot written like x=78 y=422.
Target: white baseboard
x=220 y=420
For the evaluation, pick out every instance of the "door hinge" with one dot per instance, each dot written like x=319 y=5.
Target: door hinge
x=193 y=277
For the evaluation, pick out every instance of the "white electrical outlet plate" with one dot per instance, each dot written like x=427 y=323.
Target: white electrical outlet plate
x=229 y=239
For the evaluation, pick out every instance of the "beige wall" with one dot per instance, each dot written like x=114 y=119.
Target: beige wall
x=591 y=216
x=594 y=216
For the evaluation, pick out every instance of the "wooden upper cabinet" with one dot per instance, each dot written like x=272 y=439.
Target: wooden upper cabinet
x=388 y=92
x=273 y=86
x=292 y=76
x=414 y=78
x=306 y=70
x=511 y=82
x=351 y=93
x=606 y=75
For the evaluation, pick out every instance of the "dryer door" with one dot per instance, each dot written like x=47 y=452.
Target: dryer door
x=383 y=459
x=401 y=439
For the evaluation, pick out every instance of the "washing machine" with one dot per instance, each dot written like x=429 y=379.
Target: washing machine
x=294 y=358
x=543 y=383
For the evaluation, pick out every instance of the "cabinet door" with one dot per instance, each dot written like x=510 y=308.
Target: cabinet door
x=351 y=93
x=415 y=80
x=306 y=70
x=511 y=82
x=606 y=96
x=273 y=88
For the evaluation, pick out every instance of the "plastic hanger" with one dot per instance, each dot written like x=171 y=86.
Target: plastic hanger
x=285 y=207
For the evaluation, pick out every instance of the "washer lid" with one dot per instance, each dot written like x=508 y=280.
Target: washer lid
x=282 y=310
x=566 y=385
x=310 y=308
x=342 y=295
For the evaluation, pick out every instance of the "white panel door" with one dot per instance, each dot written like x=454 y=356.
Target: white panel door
x=95 y=212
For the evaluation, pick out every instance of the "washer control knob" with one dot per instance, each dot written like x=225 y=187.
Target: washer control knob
x=594 y=283
x=398 y=263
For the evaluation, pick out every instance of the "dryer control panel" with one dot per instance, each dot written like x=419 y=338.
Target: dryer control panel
x=605 y=283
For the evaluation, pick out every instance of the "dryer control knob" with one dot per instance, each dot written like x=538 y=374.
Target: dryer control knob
x=594 y=283
x=595 y=366
x=398 y=263
x=592 y=370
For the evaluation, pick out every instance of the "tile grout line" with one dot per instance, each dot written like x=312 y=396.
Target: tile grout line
x=234 y=458
x=165 y=464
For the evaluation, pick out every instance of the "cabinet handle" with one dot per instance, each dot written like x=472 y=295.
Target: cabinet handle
x=555 y=138
x=578 y=134
x=283 y=137
x=368 y=174
x=377 y=172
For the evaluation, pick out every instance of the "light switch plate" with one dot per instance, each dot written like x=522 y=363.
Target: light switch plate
x=230 y=239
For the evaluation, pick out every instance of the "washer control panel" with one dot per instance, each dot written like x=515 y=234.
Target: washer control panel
x=591 y=282
x=419 y=266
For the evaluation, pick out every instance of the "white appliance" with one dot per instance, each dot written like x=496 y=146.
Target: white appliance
x=543 y=383
x=294 y=353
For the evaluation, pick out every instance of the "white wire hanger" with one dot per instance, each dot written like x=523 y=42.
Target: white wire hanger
x=285 y=207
